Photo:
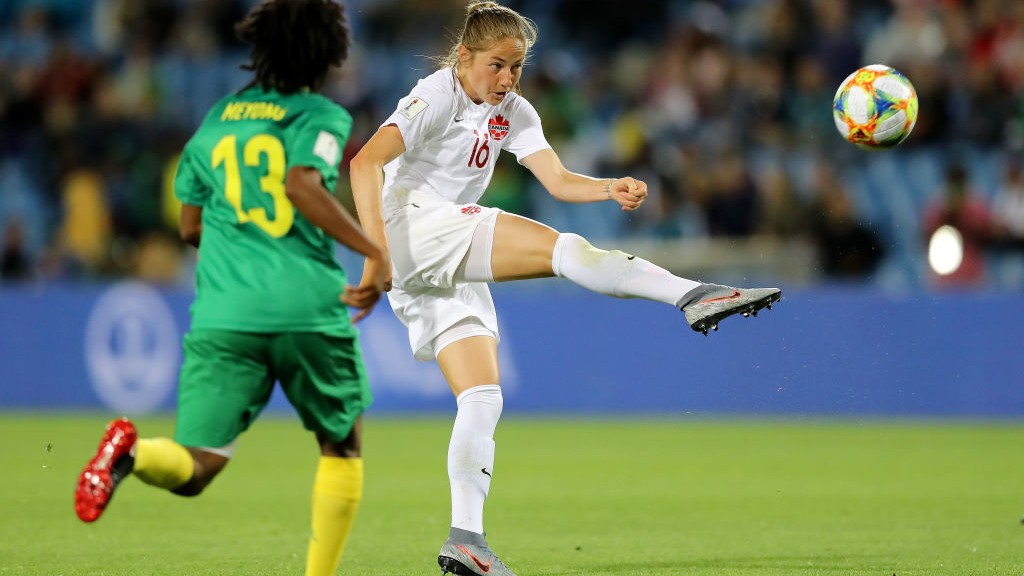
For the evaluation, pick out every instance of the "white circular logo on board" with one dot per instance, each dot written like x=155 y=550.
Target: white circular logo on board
x=132 y=348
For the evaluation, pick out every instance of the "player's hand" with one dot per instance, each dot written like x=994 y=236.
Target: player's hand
x=629 y=192
x=376 y=279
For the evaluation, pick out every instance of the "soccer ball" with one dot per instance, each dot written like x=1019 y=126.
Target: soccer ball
x=875 y=107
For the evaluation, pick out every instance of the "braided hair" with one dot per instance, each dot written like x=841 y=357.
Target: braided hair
x=294 y=43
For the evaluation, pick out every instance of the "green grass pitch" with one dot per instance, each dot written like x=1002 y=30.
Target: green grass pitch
x=570 y=496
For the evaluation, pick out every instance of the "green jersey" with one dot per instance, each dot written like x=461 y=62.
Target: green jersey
x=262 y=266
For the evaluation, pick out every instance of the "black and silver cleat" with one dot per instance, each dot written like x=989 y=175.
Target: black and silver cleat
x=708 y=304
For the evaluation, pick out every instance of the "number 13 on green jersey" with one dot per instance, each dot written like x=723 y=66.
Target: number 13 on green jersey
x=262 y=266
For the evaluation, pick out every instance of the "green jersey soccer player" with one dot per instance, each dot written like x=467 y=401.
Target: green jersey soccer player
x=271 y=299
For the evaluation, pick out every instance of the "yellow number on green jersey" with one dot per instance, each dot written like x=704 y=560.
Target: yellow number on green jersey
x=271 y=182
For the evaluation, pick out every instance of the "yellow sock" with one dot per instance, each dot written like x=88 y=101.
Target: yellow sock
x=162 y=462
x=337 y=491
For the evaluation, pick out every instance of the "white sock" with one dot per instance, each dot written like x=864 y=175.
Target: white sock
x=471 y=454
x=615 y=273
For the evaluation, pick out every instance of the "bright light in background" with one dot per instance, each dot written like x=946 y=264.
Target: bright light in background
x=946 y=250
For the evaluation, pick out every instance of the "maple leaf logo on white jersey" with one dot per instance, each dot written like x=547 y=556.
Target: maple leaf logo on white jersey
x=497 y=127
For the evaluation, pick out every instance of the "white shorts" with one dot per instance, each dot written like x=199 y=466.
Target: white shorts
x=428 y=242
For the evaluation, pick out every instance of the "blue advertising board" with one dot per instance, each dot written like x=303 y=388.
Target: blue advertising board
x=820 y=352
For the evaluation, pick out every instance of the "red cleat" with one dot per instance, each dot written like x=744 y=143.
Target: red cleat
x=112 y=462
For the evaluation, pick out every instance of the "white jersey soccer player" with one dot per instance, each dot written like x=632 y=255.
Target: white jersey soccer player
x=437 y=153
x=429 y=196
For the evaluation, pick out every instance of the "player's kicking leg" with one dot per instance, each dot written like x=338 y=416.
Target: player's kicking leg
x=622 y=275
x=523 y=248
x=466 y=553
x=111 y=464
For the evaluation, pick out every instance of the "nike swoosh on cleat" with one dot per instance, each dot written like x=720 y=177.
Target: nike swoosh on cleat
x=484 y=470
x=479 y=564
x=734 y=296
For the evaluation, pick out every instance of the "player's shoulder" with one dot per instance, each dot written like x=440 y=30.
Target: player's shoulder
x=516 y=102
x=440 y=81
x=315 y=104
x=439 y=87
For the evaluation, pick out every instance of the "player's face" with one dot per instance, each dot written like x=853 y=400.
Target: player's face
x=489 y=75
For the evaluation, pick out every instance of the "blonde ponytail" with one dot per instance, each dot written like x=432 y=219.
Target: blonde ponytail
x=486 y=23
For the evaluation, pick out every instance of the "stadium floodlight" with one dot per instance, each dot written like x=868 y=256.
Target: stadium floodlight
x=946 y=250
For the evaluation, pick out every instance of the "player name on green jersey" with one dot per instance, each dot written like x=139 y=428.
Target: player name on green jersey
x=234 y=111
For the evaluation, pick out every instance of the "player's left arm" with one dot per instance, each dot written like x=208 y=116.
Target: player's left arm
x=305 y=189
x=568 y=186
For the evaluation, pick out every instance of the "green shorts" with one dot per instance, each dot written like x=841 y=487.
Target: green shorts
x=227 y=378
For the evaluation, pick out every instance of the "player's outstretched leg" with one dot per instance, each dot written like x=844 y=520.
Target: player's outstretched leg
x=706 y=305
x=467 y=554
x=622 y=275
x=112 y=462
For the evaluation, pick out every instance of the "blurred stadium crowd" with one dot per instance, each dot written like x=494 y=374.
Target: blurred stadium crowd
x=723 y=107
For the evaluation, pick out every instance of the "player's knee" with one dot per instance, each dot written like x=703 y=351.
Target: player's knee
x=190 y=488
x=350 y=447
x=570 y=249
x=599 y=270
x=206 y=467
x=340 y=450
x=572 y=241
x=198 y=482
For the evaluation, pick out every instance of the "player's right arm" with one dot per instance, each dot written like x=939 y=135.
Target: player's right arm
x=419 y=115
x=366 y=172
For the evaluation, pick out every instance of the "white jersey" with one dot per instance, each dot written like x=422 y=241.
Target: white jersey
x=452 y=144
x=429 y=202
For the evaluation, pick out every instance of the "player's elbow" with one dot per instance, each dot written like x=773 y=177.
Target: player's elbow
x=190 y=224
x=191 y=236
x=361 y=163
x=558 y=188
x=190 y=230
